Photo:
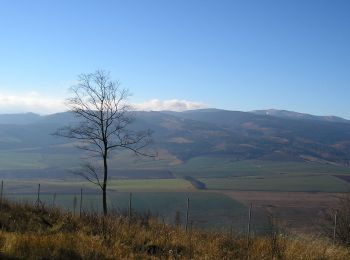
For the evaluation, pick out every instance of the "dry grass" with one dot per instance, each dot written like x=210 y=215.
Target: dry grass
x=28 y=232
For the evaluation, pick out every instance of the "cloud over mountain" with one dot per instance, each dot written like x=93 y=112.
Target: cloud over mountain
x=37 y=103
x=30 y=102
x=170 y=105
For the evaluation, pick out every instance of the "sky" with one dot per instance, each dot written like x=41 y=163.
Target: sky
x=180 y=54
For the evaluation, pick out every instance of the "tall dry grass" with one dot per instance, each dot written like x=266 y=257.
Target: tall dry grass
x=28 y=232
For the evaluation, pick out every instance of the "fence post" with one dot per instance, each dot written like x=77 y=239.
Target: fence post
x=97 y=206
x=248 y=231
x=130 y=209
x=74 y=204
x=38 y=198
x=335 y=226
x=81 y=202
x=54 y=200
x=187 y=213
x=249 y=219
x=2 y=191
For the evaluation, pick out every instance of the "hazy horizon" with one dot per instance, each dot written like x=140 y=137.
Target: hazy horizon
x=170 y=110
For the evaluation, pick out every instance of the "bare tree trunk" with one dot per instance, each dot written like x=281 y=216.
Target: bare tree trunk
x=104 y=115
x=104 y=199
x=104 y=187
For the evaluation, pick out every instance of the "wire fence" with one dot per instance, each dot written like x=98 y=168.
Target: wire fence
x=184 y=209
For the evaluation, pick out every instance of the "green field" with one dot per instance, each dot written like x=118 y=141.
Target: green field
x=254 y=175
x=21 y=160
x=59 y=186
x=212 y=167
x=151 y=185
x=218 y=173
x=321 y=183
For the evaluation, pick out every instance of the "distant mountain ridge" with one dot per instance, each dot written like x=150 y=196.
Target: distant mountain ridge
x=297 y=115
x=29 y=117
x=19 y=119
x=264 y=135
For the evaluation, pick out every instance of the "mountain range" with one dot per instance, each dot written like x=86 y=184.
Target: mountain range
x=263 y=134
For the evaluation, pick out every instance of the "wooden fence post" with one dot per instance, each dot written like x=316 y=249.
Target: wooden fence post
x=54 y=200
x=249 y=220
x=38 y=198
x=2 y=190
x=249 y=227
x=75 y=202
x=130 y=209
x=81 y=202
x=335 y=226
x=187 y=213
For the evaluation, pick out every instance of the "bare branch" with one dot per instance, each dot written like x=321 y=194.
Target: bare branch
x=90 y=173
x=104 y=119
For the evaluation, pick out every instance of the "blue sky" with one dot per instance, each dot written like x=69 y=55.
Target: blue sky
x=236 y=55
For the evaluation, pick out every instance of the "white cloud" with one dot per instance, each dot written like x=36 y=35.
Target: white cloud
x=37 y=103
x=170 y=105
x=30 y=102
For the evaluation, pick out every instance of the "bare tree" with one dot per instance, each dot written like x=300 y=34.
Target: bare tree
x=103 y=126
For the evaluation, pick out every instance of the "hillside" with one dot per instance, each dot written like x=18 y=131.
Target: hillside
x=30 y=232
x=207 y=132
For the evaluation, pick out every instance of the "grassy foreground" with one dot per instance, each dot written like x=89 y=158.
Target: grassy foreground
x=29 y=232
